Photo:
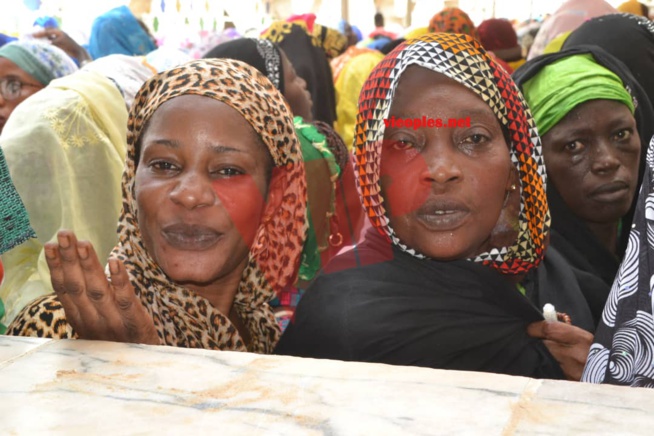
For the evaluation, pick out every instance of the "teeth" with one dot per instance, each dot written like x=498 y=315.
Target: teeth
x=441 y=212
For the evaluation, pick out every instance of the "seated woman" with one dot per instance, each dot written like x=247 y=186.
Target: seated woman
x=334 y=210
x=459 y=215
x=212 y=225
x=26 y=67
x=14 y=223
x=65 y=148
x=589 y=122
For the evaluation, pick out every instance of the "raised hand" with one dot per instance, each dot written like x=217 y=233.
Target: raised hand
x=60 y=39
x=95 y=307
x=568 y=344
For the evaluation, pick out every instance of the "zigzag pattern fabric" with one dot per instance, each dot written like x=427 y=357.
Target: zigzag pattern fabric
x=461 y=58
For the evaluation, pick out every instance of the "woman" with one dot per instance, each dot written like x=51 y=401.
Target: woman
x=15 y=228
x=334 y=213
x=309 y=59
x=212 y=225
x=623 y=352
x=459 y=217
x=499 y=36
x=592 y=116
x=65 y=148
x=26 y=67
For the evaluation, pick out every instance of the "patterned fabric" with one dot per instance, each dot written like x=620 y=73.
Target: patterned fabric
x=41 y=60
x=453 y=20
x=119 y=32
x=273 y=61
x=14 y=223
x=623 y=352
x=461 y=58
x=181 y=317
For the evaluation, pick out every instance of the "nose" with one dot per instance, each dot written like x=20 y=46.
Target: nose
x=441 y=166
x=605 y=158
x=193 y=191
x=303 y=83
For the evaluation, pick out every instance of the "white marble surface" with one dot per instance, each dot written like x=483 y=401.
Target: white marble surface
x=83 y=387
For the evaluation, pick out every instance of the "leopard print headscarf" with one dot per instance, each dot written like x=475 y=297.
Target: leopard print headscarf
x=181 y=317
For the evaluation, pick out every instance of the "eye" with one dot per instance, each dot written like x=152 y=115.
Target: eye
x=623 y=135
x=574 y=147
x=228 y=172
x=475 y=138
x=162 y=166
x=403 y=144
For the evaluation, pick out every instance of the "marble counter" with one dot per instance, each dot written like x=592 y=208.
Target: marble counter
x=84 y=387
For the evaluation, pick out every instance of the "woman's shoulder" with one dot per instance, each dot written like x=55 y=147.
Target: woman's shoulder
x=43 y=318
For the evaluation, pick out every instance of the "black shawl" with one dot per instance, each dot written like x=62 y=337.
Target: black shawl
x=378 y=303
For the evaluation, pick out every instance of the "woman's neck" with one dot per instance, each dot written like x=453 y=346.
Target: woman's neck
x=606 y=234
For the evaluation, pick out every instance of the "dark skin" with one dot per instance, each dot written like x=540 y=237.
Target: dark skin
x=191 y=182
x=592 y=157
x=295 y=91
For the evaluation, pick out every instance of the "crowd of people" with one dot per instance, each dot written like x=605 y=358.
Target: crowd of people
x=251 y=195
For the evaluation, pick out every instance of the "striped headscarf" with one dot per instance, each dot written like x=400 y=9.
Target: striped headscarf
x=181 y=317
x=464 y=60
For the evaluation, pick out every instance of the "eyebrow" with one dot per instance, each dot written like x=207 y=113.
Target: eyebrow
x=171 y=143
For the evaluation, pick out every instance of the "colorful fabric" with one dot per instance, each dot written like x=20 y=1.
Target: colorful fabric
x=43 y=61
x=4 y=39
x=623 y=351
x=127 y=72
x=556 y=44
x=181 y=317
x=14 y=222
x=260 y=53
x=563 y=85
x=461 y=58
x=119 y=32
x=166 y=58
x=453 y=20
x=416 y=33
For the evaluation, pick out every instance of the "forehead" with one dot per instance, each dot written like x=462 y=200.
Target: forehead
x=10 y=69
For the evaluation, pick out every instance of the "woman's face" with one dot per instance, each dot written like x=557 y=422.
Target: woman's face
x=25 y=85
x=295 y=90
x=592 y=158
x=444 y=188
x=201 y=181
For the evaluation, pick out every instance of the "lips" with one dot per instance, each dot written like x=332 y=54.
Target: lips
x=611 y=192
x=442 y=214
x=190 y=237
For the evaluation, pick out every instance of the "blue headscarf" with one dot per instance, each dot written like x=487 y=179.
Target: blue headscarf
x=5 y=39
x=118 y=32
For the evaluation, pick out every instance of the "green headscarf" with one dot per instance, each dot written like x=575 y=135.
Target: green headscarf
x=562 y=85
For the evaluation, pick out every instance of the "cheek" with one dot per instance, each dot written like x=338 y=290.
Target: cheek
x=400 y=182
x=242 y=198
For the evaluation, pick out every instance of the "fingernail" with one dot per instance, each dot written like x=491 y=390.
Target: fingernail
x=82 y=252
x=64 y=242
x=113 y=266
x=50 y=253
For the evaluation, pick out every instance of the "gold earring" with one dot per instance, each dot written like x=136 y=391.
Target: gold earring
x=513 y=187
x=335 y=240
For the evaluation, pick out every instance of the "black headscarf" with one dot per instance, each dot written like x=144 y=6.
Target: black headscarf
x=627 y=37
x=569 y=235
x=311 y=64
x=259 y=53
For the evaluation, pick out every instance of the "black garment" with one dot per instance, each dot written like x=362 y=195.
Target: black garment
x=380 y=304
x=569 y=235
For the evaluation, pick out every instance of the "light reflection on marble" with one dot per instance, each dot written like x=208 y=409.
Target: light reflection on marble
x=82 y=387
